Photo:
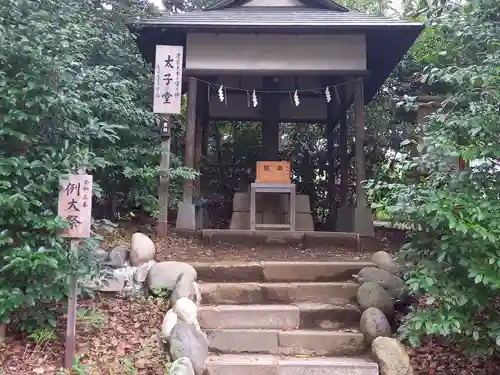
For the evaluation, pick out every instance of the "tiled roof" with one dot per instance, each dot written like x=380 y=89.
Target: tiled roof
x=328 y=4
x=387 y=39
x=278 y=17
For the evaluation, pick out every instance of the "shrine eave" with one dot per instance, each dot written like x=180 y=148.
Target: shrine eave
x=275 y=19
x=387 y=39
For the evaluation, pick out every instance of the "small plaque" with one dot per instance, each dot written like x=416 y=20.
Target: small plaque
x=75 y=204
x=273 y=171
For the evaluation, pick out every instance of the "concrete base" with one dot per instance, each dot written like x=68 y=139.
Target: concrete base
x=271 y=209
x=301 y=316
x=345 y=219
x=279 y=271
x=295 y=342
x=281 y=237
x=186 y=217
x=363 y=221
x=162 y=229
x=278 y=293
x=265 y=364
x=303 y=222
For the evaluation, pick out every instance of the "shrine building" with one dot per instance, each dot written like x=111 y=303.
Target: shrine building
x=278 y=61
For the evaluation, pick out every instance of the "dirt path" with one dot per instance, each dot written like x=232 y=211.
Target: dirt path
x=118 y=337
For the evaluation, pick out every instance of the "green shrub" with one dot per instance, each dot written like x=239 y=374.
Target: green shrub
x=454 y=247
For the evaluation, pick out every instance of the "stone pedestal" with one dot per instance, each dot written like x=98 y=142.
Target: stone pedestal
x=186 y=217
x=271 y=209
x=363 y=221
x=345 y=219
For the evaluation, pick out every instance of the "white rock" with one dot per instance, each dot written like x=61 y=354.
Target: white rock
x=384 y=261
x=182 y=366
x=115 y=283
x=169 y=321
x=164 y=275
x=373 y=324
x=187 y=341
x=197 y=293
x=127 y=273
x=391 y=357
x=186 y=311
x=142 y=249
x=142 y=271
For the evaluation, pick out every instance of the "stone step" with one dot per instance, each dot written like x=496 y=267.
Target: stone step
x=303 y=315
x=296 y=342
x=273 y=365
x=277 y=293
x=279 y=271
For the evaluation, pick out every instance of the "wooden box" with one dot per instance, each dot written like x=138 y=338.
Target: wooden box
x=273 y=171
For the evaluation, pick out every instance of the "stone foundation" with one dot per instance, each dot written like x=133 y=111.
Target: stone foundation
x=271 y=209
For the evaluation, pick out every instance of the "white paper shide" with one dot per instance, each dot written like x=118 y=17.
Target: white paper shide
x=168 y=79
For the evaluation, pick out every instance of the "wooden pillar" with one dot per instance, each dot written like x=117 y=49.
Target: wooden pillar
x=201 y=122
x=166 y=134
x=270 y=120
x=343 y=157
x=186 y=211
x=332 y=113
x=363 y=218
x=190 y=137
x=359 y=109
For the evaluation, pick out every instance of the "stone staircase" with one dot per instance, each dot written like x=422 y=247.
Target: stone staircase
x=282 y=318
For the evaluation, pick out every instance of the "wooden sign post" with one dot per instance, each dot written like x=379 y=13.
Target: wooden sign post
x=74 y=206
x=167 y=94
x=167 y=98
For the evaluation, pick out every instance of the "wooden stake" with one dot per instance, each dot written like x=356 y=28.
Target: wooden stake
x=162 y=226
x=3 y=332
x=69 y=349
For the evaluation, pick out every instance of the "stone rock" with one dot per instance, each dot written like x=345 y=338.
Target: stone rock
x=132 y=288
x=142 y=249
x=186 y=311
x=169 y=321
x=142 y=271
x=164 y=275
x=181 y=366
x=184 y=287
x=197 y=292
x=391 y=357
x=392 y=283
x=117 y=257
x=374 y=324
x=187 y=341
x=114 y=283
x=99 y=255
x=371 y=294
x=384 y=261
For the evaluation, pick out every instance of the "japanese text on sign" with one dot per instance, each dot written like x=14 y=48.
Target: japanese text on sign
x=168 y=79
x=273 y=171
x=75 y=204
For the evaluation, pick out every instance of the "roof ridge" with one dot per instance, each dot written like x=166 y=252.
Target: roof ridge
x=329 y=4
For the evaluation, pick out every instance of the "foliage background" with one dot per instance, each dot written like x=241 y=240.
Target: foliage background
x=75 y=92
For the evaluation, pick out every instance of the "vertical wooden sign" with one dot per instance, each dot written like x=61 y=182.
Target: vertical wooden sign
x=74 y=206
x=168 y=79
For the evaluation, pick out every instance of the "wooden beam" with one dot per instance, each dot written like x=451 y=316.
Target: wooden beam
x=190 y=137
x=270 y=121
x=333 y=115
x=363 y=217
x=359 y=111
x=201 y=122
x=344 y=160
x=204 y=72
